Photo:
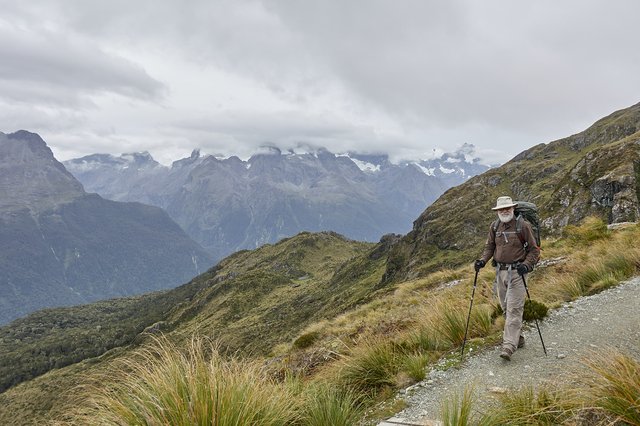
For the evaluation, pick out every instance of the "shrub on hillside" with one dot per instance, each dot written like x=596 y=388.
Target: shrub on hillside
x=534 y=310
x=306 y=340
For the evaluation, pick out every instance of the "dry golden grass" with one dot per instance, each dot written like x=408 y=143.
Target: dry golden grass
x=166 y=385
x=612 y=385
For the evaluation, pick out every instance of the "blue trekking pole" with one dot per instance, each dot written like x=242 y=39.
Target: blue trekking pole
x=464 y=342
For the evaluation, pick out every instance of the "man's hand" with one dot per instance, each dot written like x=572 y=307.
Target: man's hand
x=522 y=269
x=479 y=264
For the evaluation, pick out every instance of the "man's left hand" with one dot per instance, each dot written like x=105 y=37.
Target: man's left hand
x=522 y=269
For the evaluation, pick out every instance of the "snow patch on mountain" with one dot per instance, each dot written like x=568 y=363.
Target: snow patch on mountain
x=429 y=171
x=364 y=166
x=445 y=170
x=135 y=160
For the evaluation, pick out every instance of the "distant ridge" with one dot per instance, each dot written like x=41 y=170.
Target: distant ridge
x=61 y=246
x=227 y=204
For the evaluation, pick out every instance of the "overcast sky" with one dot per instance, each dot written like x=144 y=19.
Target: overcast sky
x=404 y=77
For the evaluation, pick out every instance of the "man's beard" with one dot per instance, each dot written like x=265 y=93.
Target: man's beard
x=505 y=218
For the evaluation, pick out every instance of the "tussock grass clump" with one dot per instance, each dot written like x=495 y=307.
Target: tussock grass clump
x=604 y=274
x=371 y=366
x=524 y=406
x=530 y=406
x=445 y=321
x=452 y=324
x=613 y=385
x=590 y=229
x=415 y=365
x=164 y=385
x=424 y=338
x=457 y=408
x=327 y=405
x=481 y=321
x=604 y=268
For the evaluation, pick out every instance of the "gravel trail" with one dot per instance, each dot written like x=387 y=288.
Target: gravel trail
x=610 y=319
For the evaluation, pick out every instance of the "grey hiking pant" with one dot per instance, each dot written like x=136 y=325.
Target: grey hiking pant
x=511 y=293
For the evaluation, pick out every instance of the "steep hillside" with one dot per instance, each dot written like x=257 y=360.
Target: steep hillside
x=230 y=204
x=61 y=246
x=260 y=298
x=250 y=302
x=594 y=172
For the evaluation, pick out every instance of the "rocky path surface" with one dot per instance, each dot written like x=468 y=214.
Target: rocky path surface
x=610 y=319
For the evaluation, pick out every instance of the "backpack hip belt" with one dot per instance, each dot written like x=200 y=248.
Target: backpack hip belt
x=506 y=266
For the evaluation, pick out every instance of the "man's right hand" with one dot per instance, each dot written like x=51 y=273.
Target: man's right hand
x=479 y=264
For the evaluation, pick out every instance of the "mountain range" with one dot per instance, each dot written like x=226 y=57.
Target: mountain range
x=62 y=246
x=255 y=302
x=227 y=204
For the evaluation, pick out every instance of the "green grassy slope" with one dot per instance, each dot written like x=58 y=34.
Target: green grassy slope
x=250 y=301
x=264 y=297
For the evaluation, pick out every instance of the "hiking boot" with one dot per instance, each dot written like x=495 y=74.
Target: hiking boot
x=506 y=354
x=521 y=342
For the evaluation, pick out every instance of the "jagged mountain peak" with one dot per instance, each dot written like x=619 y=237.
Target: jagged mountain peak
x=30 y=176
x=232 y=204
x=60 y=245
x=139 y=157
x=32 y=138
x=24 y=139
x=135 y=160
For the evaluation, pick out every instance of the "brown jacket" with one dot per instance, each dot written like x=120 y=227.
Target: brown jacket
x=505 y=247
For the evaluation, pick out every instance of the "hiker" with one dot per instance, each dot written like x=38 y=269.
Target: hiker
x=512 y=245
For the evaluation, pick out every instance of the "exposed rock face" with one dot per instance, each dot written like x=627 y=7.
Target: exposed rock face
x=61 y=246
x=230 y=204
x=595 y=173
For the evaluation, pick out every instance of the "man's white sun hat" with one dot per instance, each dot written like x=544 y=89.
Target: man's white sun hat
x=504 y=203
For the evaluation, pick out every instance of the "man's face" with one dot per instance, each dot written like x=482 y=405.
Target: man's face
x=505 y=215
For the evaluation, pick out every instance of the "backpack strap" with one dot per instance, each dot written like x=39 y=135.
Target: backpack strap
x=519 y=232
x=525 y=244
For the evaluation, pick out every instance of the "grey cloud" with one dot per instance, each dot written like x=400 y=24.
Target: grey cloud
x=48 y=65
x=503 y=63
x=286 y=130
x=502 y=75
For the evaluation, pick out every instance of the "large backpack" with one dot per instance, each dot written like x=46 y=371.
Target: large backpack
x=525 y=211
